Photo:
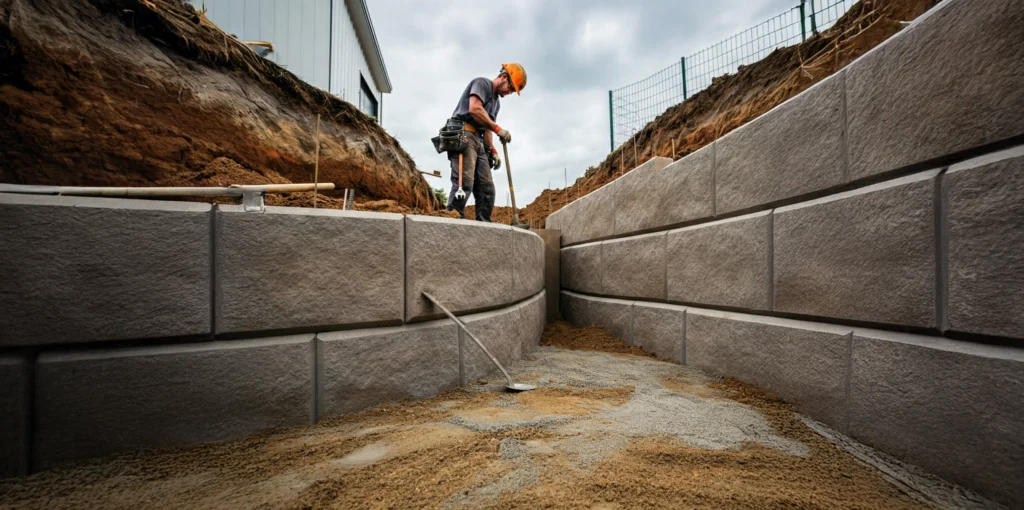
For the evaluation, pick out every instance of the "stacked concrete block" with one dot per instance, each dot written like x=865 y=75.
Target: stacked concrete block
x=362 y=368
x=948 y=83
x=15 y=372
x=499 y=331
x=294 y=268
x=69 y=265
x=527 y=264
x=866 y=255
x=590 y=217
x=99 y=402
x=634 y=266
x=581 y=268
x=552 y=270
x=725 y=263
x=533 y=313
x=952 y=408
x=660 y=193
x=801 y=362
x=467 y=265
x=616 y=315
x=793 y=150
x=574 y=308
x=986 y=244
x=660 y=329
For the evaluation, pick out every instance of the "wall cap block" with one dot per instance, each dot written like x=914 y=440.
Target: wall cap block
x=772 y=321
x=943 y=344
x=159 y=350
x=104 y=203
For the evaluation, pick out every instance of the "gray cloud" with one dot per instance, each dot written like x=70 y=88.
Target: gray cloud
x=574 y=51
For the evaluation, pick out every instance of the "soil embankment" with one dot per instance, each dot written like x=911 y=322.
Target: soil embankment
x=735 y=99
x=151 y=93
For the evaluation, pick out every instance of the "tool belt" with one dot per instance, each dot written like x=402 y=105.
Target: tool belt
x=449 y=138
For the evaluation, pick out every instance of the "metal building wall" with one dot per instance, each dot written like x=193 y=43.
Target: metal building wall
x=347 y=58
x=299 y=30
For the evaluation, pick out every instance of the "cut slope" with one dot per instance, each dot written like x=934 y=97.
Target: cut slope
x=735 y=99
x=151 y=93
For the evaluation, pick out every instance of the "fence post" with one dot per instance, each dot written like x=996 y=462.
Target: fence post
x=803 y=20
x=682 y=62
x=814 y=23
x=611 y=122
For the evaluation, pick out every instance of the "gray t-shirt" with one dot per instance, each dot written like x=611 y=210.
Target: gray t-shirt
x=480 y=87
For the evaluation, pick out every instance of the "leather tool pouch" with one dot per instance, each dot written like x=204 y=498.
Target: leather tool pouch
x=449 y=138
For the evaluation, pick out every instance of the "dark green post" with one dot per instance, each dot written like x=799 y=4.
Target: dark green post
x=814 y=23
x=611 y=122
x=682 y=63
x=803 y=20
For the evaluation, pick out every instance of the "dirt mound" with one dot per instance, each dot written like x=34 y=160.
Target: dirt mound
x=563 y=335
x=151 y=93
x=735 y=99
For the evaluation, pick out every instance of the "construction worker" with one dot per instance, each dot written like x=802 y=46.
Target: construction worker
x=478 y=109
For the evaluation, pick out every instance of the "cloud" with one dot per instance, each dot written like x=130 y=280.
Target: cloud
x=574 y=51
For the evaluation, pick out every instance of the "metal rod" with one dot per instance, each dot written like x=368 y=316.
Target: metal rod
x=803 y=20
x=316 y=161
x=683 y=65
x=234 y=190
x=471 y=335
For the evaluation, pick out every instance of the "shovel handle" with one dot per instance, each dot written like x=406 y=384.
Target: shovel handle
x=511 y=190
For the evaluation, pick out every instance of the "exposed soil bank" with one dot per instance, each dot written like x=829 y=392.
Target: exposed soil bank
x=603 y=431
x=151 y=93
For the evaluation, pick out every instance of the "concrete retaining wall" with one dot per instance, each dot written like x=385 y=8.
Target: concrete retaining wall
x=887 y=196
x=138 y=324
x=950 y=407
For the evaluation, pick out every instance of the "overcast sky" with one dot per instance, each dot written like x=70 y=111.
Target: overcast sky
x=574 y=51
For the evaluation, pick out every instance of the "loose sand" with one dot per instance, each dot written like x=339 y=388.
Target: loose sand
x=603 y=431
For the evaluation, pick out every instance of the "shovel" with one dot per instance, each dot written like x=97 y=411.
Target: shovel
x=511 y=386
x=512 y=191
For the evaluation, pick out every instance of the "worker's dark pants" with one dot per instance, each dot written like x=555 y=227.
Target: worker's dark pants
x=476 y=179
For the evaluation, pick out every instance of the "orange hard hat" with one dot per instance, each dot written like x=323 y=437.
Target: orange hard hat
x=517 y=75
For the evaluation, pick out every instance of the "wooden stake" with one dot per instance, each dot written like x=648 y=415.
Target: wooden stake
x=316 y=161
x=673 y=149
x=636 y=160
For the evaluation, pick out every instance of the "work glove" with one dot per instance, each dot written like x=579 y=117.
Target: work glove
x=495 y=160
x=504 y=136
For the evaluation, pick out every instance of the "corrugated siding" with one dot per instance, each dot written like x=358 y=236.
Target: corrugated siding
x=348 y=60
x=300 y=31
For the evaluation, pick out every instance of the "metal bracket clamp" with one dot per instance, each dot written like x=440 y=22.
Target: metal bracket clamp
x=252 y=200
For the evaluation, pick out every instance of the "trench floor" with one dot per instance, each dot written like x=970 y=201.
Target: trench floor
x=610 y=429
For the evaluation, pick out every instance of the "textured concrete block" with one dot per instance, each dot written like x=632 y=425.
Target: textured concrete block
x=95 y=403
x=552 y=270
x=591 y=217
x=986 y=244
x=14 y=415
x=724 y=263
x=581 y=268
x=616 y=315
x=794 y=149
x=305 y=268
x=499 y=332
x=801 y=362
x=574 y=309
x=467 y=265
x=532 y=314
x=952 y=408
x=89 y=269
x=527 y=264
x=634 y=266
x=362 y=368
x=868 y=254
x=554 y=222
x=949 y=82
x=660 y=329
x=660 y=193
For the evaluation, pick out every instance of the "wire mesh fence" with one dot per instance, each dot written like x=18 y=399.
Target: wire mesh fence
x=630 y=108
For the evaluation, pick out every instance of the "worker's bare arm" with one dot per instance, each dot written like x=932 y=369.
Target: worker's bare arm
x=476 y=110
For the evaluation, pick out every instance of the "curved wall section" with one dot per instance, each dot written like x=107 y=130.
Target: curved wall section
x=137 y=324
